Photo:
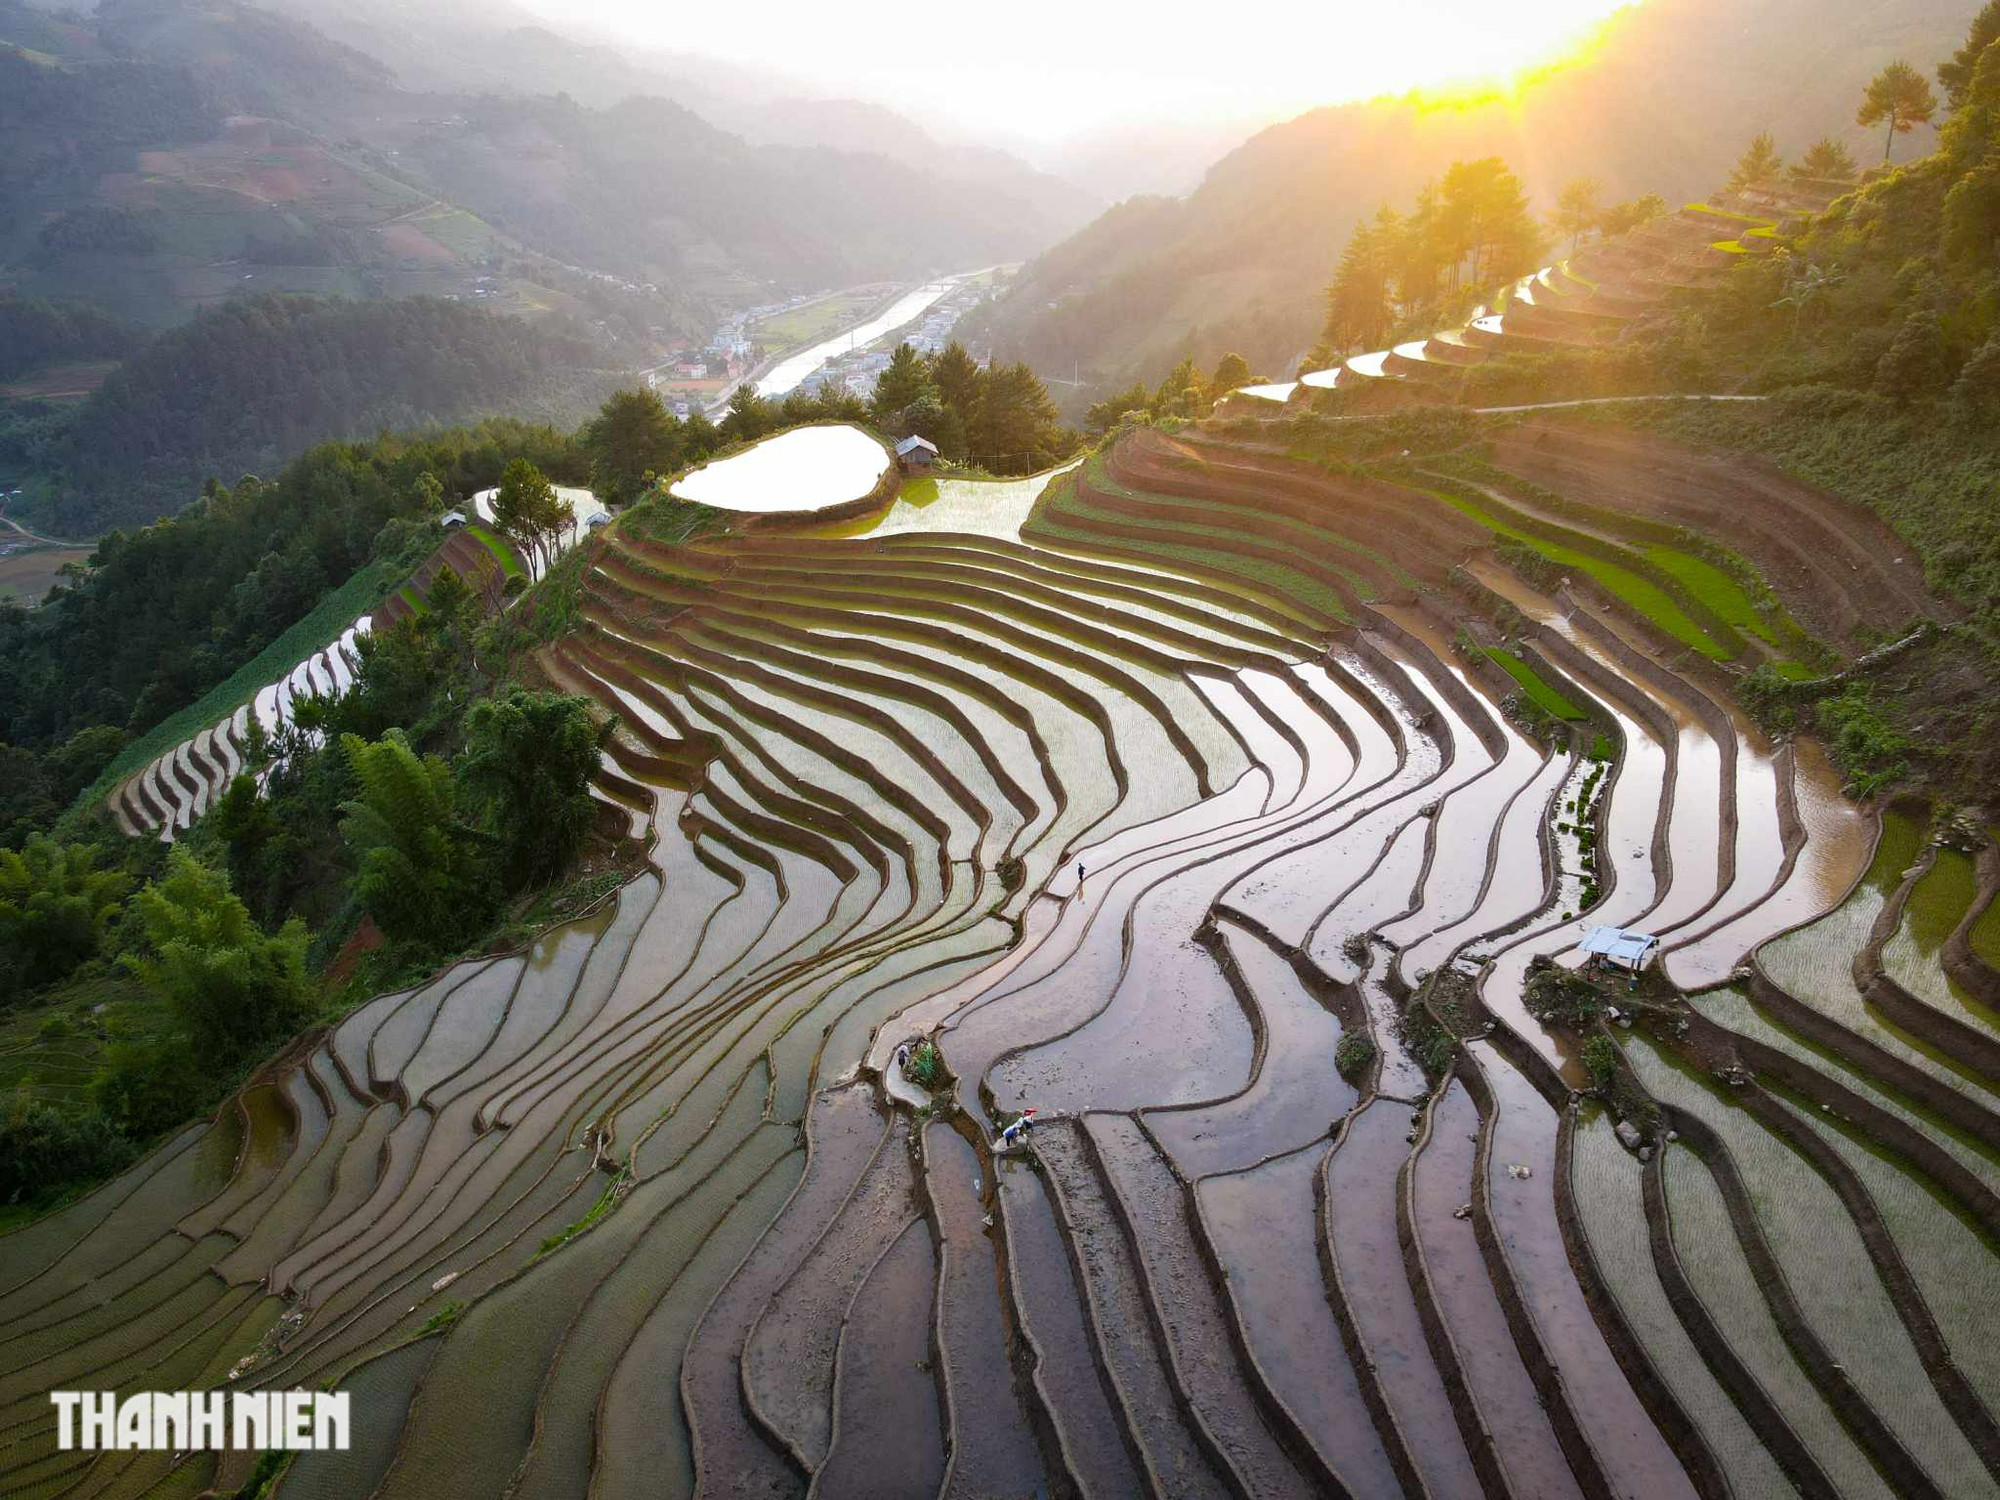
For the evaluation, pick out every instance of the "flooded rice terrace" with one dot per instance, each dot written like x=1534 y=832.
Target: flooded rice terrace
x=806 y=469
x=1174 y=805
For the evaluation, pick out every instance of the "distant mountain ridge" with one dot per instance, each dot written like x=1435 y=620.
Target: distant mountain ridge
x=1671 y=93
x=480 y=167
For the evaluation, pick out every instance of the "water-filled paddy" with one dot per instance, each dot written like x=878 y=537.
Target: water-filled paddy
x=806 y=469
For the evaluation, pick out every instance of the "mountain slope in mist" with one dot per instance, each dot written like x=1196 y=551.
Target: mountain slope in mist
x=1664 y=104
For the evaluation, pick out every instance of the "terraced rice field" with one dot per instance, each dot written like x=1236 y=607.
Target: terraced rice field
x=165 y=796
x=1146 y=791
x=1583 y=301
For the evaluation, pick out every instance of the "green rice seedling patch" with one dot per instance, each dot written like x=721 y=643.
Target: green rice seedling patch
x=1985 y=934
x=1826 y=1265
x=1953 y=1261
x=1706 y=1246
x=1814 y=964
x=665 y=518
x=1694 y=565
x=1732 y=1009
x=1914 y=956
x=1643 y=595
x=409 y=595
x=1714 y=588
x=502 y=553
x=813 y=321
x=1608 y=1197
x=1539 y=691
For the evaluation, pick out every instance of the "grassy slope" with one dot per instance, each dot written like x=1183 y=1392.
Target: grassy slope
x=329 y=619
x=1932 y=481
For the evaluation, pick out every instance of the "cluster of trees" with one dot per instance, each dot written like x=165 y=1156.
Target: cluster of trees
x=1898 y=98
x=999 y=419
x=635 y=441
x=247 y=386
x=425 y=798
x=1825 y=160
x=1183 y=392
x=71 y=123
x=34 y=333
x=94 y=227
x=1891 y=290
x=1469 y=230
x=1581 y=212
x=164 y=613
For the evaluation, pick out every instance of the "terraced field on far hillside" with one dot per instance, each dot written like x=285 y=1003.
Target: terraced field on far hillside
x=1183 y=798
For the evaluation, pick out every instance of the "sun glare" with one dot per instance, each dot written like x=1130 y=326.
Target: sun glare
x=1058 y=67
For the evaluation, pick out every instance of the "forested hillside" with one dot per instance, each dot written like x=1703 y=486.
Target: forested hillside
x=167 y=154
x=35 y=333
x=166 y=612
x=248 y=385
x=1663 y=103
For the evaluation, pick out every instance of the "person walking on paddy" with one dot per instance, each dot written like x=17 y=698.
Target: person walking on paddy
x=1079 y=876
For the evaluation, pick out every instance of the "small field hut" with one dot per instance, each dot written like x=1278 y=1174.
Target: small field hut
x=1618 y=948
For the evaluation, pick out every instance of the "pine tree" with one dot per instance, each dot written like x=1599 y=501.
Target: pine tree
x=1901 y=96
x=961 y=386
x=1019 y=429
x=1484 y=227
x=1359 y=308
x=1826 y=159
x=632 y=439
x=1760 y=162
x=899 y=387
x=1577 y=211
x=1955 y=73
x=749 y=416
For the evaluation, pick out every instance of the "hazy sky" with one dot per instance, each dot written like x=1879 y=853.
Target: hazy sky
x=1051 y=68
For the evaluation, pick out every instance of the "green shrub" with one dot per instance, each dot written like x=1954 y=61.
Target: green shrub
x=1600 y=1059
x=43 y=1149
x=1560 y=997
x=1352 y=1057
x=147 y=1087
x=926 y=1066
x=1870 y=751
x=531 y=756
x=233 y=989
x=54 y=906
